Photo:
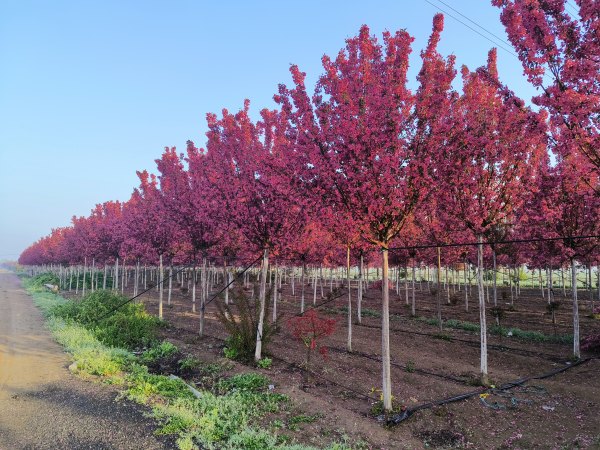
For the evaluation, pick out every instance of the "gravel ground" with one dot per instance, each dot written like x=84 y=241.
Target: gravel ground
x=42 y=406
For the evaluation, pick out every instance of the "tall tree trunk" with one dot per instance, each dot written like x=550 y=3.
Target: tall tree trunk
x=160 y=290
x=438 y=295
x=170 y=282
x=349 y=343
x=495 y=282
x=315 y=278
x=137 y=278
x=84 y=270
x=275 y=294
x=466 y=289
x=226 y=281
x=413 y=311
x=360 y=291
x=194 y=286
x=302 y=283
x=261 y=314
x=482 y=319
x=93 y=272
x=203 y=282
x=385 y=336
x=406 y=284
x=116 y=277
x=576 y=351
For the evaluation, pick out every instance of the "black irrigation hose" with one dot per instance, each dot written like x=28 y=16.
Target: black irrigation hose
x=248 y=267
x=297 y=366
x=401 y=366
x=395 y=419
x=104 y=316
x=510 y=241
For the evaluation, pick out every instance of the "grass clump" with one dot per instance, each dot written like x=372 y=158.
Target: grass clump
x=223 y=419
x=162 y=350
x=144 y=386
x=121 y=324
x=40 y=280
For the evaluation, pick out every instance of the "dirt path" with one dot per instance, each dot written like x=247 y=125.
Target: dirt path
x=42 y=406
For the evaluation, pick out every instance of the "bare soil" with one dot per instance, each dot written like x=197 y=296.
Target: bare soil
x=553 y=413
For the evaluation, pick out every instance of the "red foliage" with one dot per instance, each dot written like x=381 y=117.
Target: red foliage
x=310 y=329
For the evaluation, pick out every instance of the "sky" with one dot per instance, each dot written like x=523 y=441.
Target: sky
x=92 y=91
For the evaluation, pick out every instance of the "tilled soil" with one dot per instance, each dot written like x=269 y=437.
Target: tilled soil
x=557 y=412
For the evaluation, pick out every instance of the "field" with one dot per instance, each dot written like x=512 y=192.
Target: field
x=341 y=399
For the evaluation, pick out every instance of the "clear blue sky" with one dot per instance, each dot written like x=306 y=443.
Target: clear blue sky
x=90 y=92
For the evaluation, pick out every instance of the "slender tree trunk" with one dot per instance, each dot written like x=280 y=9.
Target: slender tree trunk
x=360 y=291
x=137 y=278
x=413 y=311
x=349 y=343
x=406 y=284
x=385 y=336
x=226 y=281
x=275 y=294
x=466 y=289
x=439 y=289
x=302 y=283
x=576 y=351
x=203 y=282
x=314 y=286
x=170 y=283
x=321 y=280
x=93 y=272
x=194 y=286
x=447 y=283
x=495 y=283
x=116 y=277
x=160 y=291
x=84 y=270
x=123 y=273
x=262 y=296
x=482 y=319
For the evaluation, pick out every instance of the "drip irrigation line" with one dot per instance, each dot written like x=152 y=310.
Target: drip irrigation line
x=203 y=307
x=346 y=388
x=303 y=369
x=474 y=244
x=547 y=356
x=395 y=419
x=160 y=282
x=401 y=366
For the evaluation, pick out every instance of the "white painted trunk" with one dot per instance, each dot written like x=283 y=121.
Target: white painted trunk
x=349 y=343
x=482 y=318
x=160 y=291
x=576 y=350
x=385 y=337
x=262 y=299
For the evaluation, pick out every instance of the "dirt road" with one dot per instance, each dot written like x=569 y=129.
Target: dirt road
x=43 y=406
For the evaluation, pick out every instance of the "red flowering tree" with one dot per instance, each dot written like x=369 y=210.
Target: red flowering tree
x=356 y=146
x=560 y=53
x=495 y=146
x=567 y=210
x=251 y=194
